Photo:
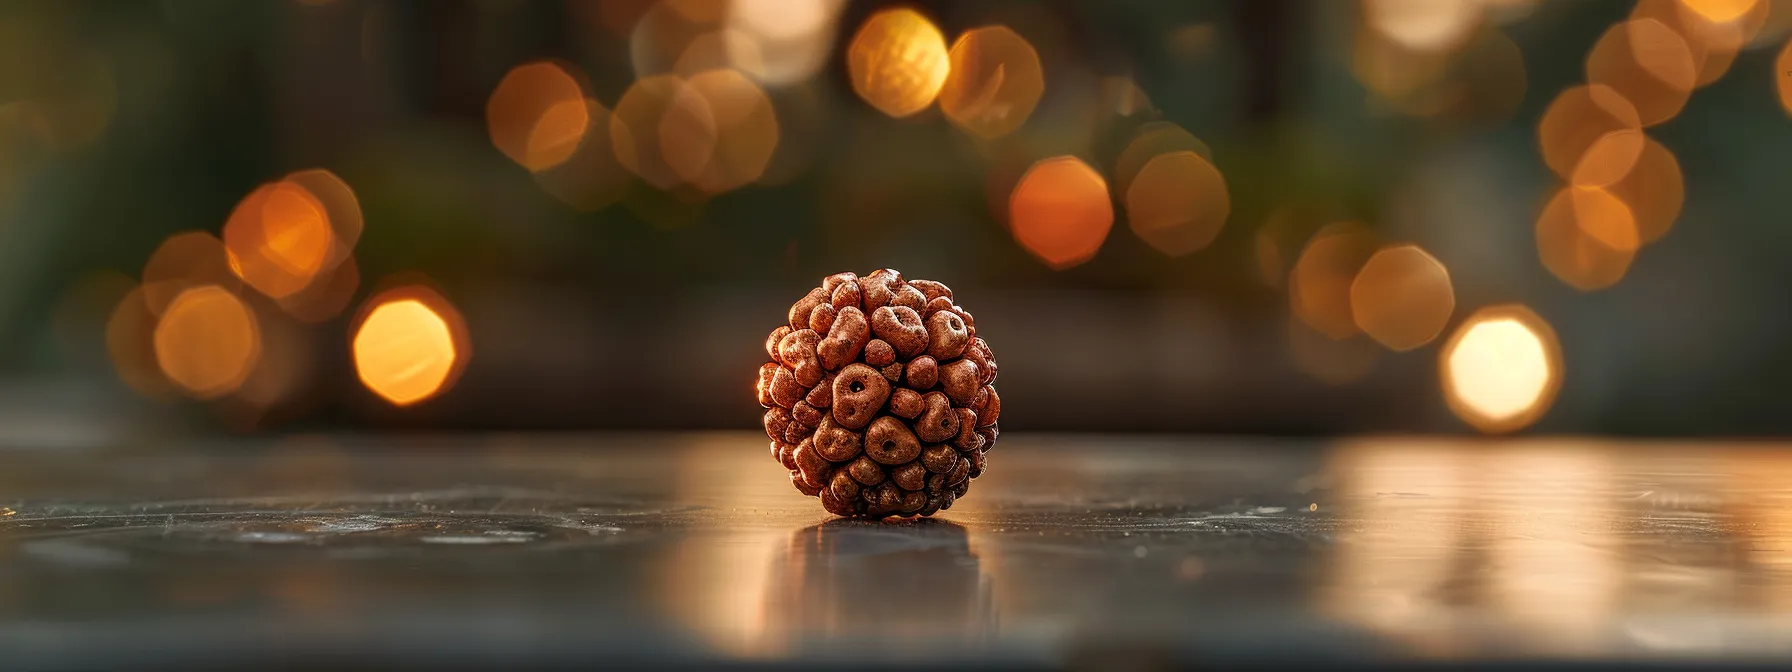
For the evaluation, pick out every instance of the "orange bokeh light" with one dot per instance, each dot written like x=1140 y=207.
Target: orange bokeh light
x=1579 y=117
x=1060 y=211
x=130 y=340
x=1781 y=82
x=1501 y=369
x=746 y=131
x=1402 y=297
x=1319 y=285
x=1177 y=203
x=1648 y=64
x=591 y=179
x=279 y=238
x=1653 y=189
x=663 y=130
x=898 y=62
x=207 y=341
x=1587 y=238
x=409 y=345
x=1424 y=25
x=995 y=81
x=1149 y=141
x=537 y=115
x=185 y=260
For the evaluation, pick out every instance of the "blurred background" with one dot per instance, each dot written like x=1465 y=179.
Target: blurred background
x=1274 y=216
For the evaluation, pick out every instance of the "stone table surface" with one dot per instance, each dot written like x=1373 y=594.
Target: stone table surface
x=1081 y=551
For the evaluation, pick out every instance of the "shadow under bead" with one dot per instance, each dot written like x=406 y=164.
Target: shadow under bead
x=879 y=397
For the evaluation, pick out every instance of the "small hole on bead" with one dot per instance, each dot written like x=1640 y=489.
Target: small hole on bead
x=856 y=386
x=954 y=324
x=889 y=445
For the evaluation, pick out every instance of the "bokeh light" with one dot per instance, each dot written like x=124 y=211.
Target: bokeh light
x=1648 y=64
x=1149 y=141
x=1177 y=203
x=1402 y=297
x=1782 y=82
x=1653 y=189
x=279 y=239
x=183 y=261
x=666 y=31
x=746 y=131
x=898 y=62
x=1720 y=11
x=1501 y=369
x=1587 y=238
x=409 y=345
x=663 y=130
x=1424 y=25
x=1579 y=117
x=1319 y=285
x=130 y=340
x=341 y=210
x=1060 y=211
x=591 y=179
x=1714 y=43
x=537 y=115
x=787 y=40
x=207 y=341
x=994 y=82
x=1609 y=159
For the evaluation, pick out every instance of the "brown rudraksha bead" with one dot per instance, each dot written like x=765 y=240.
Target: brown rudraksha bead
x=879 y=396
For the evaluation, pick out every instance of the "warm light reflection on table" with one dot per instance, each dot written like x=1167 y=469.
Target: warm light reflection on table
x=680 y=546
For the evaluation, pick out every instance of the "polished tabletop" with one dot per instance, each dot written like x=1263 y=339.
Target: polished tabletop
x=1071 y=551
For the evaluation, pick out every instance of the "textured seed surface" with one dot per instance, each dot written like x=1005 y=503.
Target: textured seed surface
x=878 y=395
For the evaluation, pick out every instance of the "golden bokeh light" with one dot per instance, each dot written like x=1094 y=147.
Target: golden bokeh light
x=130 y=340
x=663 y=130
x=1579 y=117
x=1714 y=43
x=1423 y=25
x=1653 y=189
x=746 y=131
x=1411 y=81
x=1781 y=82
x=1149 y=141
x=341 y=210
x=207 y=341
x=1402 y=297
x=591 y=179
x=409 y=345
x=898 y=62
x=1648 y=64
x=788 y=40
x=1587 y=238
x=537 y=115
x=1319 y=285
x=995 y=81
x=279 y=238
x=1060 y=211
x=183 y=261
x=713 y=51
x=1501 y=369
x=1178 y=203
x=1720 y=11
x=1609 y=159
x=1482 y=81
x=666 y=31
